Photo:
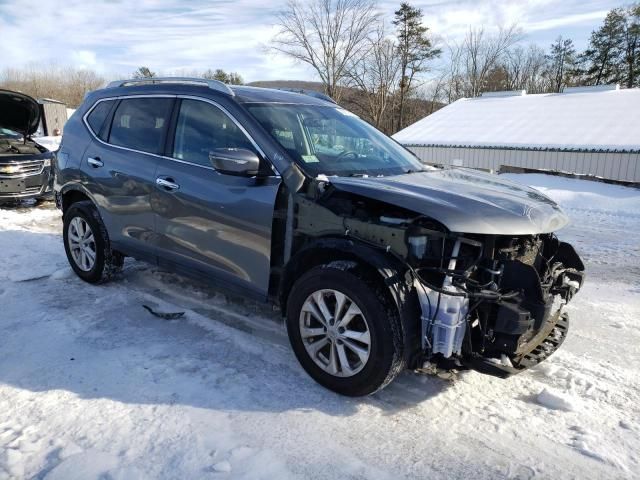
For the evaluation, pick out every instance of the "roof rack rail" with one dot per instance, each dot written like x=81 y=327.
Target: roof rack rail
x=212 y=84
x=311 y=93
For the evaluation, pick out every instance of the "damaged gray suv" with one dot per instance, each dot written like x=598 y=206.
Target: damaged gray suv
x=378 y=262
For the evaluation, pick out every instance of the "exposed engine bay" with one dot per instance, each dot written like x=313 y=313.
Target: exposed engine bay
x=19 y=147
x=493 y=303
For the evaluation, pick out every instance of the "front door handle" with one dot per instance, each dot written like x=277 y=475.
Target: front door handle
x=167 y=183
x=95 y=162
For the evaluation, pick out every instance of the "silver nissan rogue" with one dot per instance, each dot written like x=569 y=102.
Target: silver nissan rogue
x=378 y=262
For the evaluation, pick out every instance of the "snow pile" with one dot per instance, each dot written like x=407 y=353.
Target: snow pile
x=583 y=194
x=94 y=386
x=555 y=400
x=51 y=143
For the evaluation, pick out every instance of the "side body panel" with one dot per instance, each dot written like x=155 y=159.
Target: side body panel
x=215 y=224
x=122 y=189
x=218 y=225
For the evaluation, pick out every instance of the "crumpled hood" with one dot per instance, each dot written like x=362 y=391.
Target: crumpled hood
x=466 y=201
x=19 y=112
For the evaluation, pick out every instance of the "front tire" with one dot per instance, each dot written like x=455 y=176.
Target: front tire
x=87 y=246
x=344 y=330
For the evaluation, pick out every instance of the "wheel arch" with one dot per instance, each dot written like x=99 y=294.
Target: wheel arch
x=71 y=194
x=380 y=267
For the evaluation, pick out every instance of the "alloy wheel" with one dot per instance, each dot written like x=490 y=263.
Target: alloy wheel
x=335 y=333
x=82 y=244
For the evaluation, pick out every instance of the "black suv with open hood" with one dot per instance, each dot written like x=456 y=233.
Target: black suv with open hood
x=25 y=166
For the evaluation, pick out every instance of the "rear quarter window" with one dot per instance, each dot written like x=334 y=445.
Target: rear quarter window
x=97 y=117
x=140 y=124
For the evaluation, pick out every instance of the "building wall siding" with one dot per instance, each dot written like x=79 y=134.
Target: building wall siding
x=609 y=165
x=54 y=117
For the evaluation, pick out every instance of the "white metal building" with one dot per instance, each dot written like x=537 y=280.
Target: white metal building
x=592 y=131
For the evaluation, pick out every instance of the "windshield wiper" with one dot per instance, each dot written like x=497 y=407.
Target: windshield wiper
x=363 y=175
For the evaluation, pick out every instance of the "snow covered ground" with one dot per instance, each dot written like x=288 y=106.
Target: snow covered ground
x=93 y=386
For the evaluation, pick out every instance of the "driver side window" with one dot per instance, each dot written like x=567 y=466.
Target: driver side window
x=201 y=128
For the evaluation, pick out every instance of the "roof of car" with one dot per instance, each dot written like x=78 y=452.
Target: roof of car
x=245 y=94
x=240 y=93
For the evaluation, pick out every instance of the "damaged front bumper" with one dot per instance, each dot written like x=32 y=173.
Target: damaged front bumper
x=504 y=314
x=541 y=349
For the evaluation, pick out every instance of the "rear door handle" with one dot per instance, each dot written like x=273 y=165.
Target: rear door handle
x=167 y=183
x=95 y=162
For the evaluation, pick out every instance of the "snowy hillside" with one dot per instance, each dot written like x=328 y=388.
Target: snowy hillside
x=93 y=386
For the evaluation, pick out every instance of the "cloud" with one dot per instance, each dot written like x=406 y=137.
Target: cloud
x=589 y=18
x=84 y=59
x=115 y=37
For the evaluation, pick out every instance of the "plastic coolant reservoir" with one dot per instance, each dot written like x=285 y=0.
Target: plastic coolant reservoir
x=444 y=317
x=448 y=322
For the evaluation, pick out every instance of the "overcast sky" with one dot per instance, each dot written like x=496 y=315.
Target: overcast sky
x=114 y=37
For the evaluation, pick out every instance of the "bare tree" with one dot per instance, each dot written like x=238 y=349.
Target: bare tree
x=473 y=60
x=376 y=74
x=434 y=92
x=454 y=74
x=66 y=84
x=79 y=83
x=481 y=53
x=525 y=69
x=327 y=35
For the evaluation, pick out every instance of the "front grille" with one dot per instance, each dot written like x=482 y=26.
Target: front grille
x=21 y=169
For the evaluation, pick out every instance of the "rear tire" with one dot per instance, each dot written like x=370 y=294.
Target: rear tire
x=332 y=354
x=87 y=246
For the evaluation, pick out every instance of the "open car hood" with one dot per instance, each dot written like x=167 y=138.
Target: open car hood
x=19 y=112
x=466 y=201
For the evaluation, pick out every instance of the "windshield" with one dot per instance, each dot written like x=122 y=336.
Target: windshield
x=9 y=134
x=333 y=141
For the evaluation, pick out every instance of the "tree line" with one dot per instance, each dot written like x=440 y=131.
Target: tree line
x=388 y=74
x=230 y=78
x=393 y=73
x=70 y=85
x=66 y=84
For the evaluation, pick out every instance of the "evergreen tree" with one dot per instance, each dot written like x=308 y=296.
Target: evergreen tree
x=143 y=72
x=631 y=47
x=601 y=61
x=562 y=63
x=231 y=78
x=414 y=50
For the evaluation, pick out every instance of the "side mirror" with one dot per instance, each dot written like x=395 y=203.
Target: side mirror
x=235 y=161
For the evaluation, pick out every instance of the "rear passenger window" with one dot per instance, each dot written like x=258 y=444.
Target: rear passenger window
x=201 y=128
x=139 y=124
x=98 y=115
